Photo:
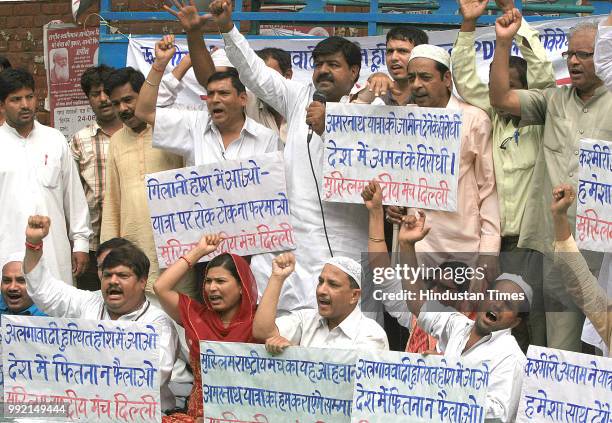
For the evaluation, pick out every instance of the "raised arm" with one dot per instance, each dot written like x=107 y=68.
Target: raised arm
x=463 y=57
x=540 y=72
x=147 y=98
x=412 y=230
x=165 y=284
x=264 y=323
x=170 y=84
x=500 y=94
x=193 y=23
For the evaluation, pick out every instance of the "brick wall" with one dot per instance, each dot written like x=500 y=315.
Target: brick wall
x=21 y=38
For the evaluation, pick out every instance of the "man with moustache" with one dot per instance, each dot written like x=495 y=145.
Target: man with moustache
x=568 y=113
x=15 y=299
x=130 y=157
x=37 y=174
x=122 y=297
x=89 y=148
x=60 y=72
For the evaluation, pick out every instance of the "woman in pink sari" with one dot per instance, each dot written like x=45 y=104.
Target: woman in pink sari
x=229 y=299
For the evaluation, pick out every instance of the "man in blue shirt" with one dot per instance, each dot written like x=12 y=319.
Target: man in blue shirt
x=15 y=298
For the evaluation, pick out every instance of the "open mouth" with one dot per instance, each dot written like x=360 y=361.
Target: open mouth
x=215 y=299
x=491 y=316
x=114 y=293
x=13 y=297
x=217 y=111
x=324 y=301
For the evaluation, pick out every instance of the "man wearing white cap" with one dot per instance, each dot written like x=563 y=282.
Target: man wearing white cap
x=487 y=338
x=474 y=228
x=338 y=322
x=15 y=298
x=223 y=132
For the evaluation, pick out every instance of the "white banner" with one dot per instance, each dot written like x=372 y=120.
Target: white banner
x=395 y=386
x=243 y=383
x=564 y=386
x=594 y=207
x=553 y=34
x=81 y=370
x=412 y=151
x=243 y=200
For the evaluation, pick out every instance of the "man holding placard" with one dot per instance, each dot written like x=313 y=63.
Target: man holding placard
x=223 y=132
x=122 y=297
x=338 y=322
x=488 y=338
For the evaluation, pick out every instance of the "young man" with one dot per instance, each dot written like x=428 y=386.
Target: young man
x=37 y=173
x=122 y=297
x=15 y=298
x=89 y=148
x=568 y=113
x=223 y=132
x=130 y=157
x=337 y=323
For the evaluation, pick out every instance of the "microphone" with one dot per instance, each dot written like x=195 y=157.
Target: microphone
x=321 y=98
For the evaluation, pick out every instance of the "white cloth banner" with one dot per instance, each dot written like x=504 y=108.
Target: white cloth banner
x=243 y=383
x=413 y=152
x=88 y=370
x=395 y=386
x=243 y=200
x=553 y=34
x=594 y=212
x=565 y=386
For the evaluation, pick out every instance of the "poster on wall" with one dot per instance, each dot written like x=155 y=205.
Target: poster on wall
x=69 y=50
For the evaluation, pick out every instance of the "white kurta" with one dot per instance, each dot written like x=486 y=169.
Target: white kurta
x=39 y=176
x=347 y=224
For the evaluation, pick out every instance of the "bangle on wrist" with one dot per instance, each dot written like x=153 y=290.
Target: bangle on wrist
x=34 y=247
x=151 y=84
x=376 y=239
x=189 y=264
x=158 y=69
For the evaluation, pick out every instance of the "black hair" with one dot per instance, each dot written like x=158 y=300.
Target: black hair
x=130 y=256
x=408 y=33
x=4 y=63
x=94 y=76
x=442 y=69
x=120 y=77
x=111 y=244
x=520 y=65
x=231 y=74
x=281 y=56
x=12 y=80
x=333 y=45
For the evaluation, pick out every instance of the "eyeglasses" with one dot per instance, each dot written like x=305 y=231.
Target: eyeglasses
x=581 y=55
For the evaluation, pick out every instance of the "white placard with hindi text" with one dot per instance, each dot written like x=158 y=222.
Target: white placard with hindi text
x=244 y=200
x=594 y=197
x=564 y=386
x=413 y=152
x=95 y=371
x=242 y=382
x=394 y=386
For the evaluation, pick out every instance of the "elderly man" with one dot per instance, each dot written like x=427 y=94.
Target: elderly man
x=568 y=113
x=60 y=72
x=338 y=322
x=487 y=337
x=37 y=174
x=15 y=298
x=223 y=132
x=124 y=278
x=474 y=228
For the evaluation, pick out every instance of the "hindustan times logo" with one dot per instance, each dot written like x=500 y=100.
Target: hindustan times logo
x=404 y=272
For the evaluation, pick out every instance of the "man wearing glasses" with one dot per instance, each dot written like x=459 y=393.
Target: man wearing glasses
x=568 y=113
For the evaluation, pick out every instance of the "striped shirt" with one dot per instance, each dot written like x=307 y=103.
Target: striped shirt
x=89 y=148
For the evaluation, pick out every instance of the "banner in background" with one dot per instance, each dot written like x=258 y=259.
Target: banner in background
x=564 y=386
x=413 y=152
x=81 y=370
x=69 y=51
x=553 y=35
x=594 y=207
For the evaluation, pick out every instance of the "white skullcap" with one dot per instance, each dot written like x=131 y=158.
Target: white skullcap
x=220 y=59
x=429 y=51
x=520 y=282
x=11 y=258
x=348 y=266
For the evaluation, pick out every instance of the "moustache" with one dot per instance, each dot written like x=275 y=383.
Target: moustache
x=325 y=77
x=126 y=116
x=114 y=290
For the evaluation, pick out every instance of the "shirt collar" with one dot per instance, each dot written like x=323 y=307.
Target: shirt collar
x=14 y=132
x=137 y=134
x=350 y=325
x=248 y=127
